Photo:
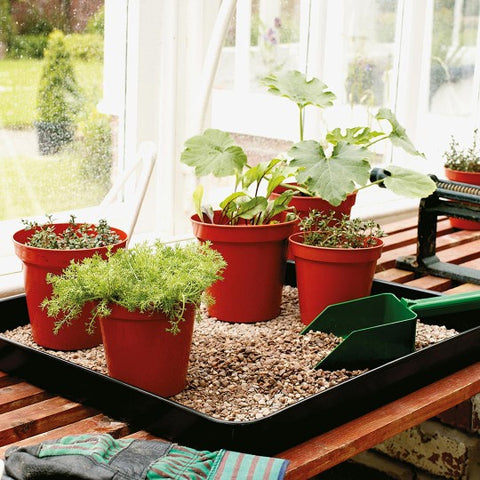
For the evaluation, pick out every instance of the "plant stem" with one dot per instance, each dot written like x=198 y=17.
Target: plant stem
x=301 y=122
x=378 y=139
x=376 y=182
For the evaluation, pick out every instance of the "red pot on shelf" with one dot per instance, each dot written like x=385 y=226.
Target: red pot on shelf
x=139 y=351
x=37 y=263
x=304 y=204
x=472 y=178
x=251 y=289
x=331 y=275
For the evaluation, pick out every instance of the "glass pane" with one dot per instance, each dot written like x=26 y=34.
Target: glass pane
x=370 y=34
x=274 y=38
x=56 y=149
x=454 y=39
x=363 y=78
x=271 y=38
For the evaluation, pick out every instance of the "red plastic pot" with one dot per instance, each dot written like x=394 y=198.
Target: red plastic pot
x=304 y=204
x=37 y=263
x=251 y=289
x=463 y=177
x=140 y=351
x=331 y=275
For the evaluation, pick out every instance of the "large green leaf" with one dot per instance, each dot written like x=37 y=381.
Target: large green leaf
x=398 y=135
x=214 y=152
x=356 y=135
x=331 y=178
x=295 y=86
x=408 y=183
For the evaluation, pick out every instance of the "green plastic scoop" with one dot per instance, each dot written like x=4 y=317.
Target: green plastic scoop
x=380 y=328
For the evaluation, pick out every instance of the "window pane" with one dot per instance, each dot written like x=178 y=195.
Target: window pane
x=454 y=39
x=274 y=38
x=262 y=39
x=370 y=34
x=56 y=149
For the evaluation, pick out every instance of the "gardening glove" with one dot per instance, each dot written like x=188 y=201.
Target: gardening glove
x=101 y=457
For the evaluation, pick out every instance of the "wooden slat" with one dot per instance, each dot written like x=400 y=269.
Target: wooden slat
x=464 y=287
x=325 y=451
x=40 y=417
x=469 y=251
x=98 y=424
x=430 y=282
x=409 y=236
x=19 y=395
x=6 y=379
x=395 y=275
x=447 y=252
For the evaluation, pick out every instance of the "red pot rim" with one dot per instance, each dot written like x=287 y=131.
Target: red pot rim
x=463 y=177
x=121 y=313
x=242 y=233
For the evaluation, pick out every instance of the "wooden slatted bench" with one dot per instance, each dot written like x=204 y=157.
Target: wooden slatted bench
x=30 y=415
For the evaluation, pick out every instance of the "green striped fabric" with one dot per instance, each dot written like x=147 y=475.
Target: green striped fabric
x=183 y=463
x=235 y=465
x=100 y=447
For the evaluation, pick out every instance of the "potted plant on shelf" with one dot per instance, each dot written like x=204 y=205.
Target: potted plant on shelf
x=58 y=97
x=330 y=171
x=49 y=248
x=463 y=165
x=145 y=298
x=335 y=260
x=249 y=229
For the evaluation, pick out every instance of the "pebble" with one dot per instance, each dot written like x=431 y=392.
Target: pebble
x=241 y=371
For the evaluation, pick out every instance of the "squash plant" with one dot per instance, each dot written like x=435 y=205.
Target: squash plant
x=340 y=164
x=215 y=153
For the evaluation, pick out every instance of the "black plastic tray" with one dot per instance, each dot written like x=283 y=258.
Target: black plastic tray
x=268 y=435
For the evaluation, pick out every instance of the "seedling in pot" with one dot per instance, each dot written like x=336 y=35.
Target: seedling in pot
x=214 y=152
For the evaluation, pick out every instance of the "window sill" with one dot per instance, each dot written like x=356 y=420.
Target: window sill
x=11 y=284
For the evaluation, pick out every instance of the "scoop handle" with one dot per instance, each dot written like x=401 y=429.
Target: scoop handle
x=443 y=304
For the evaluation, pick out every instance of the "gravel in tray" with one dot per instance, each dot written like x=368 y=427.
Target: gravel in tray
x=241 y=371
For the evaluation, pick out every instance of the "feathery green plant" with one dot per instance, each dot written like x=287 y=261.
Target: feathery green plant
x=146 y=278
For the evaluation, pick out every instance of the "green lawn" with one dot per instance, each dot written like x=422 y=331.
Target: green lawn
x=18 y=88
x=34 y=184
x=44 y=184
